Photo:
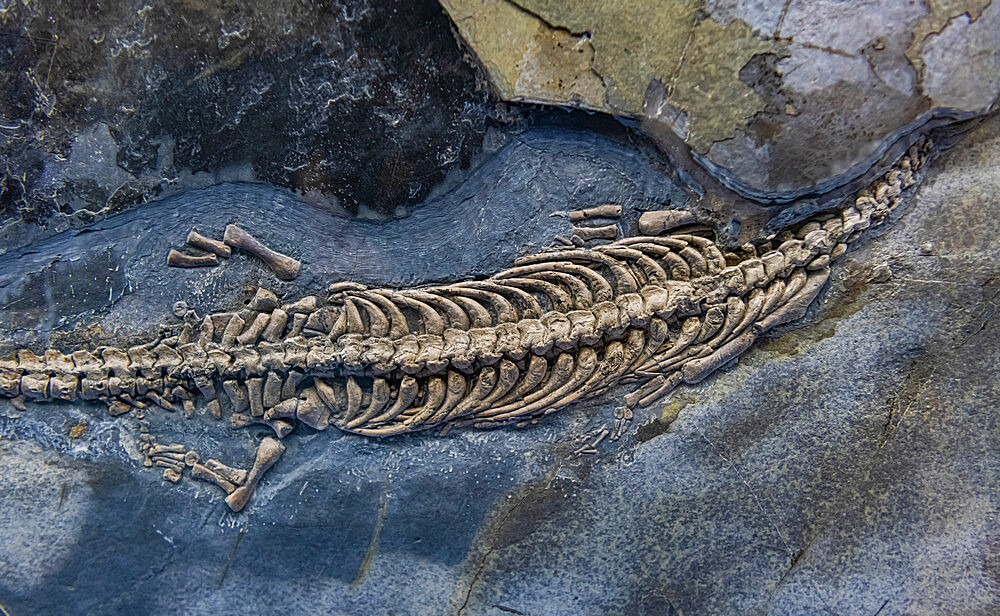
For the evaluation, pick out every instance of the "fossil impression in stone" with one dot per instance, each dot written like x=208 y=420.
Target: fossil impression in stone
x=654 y=311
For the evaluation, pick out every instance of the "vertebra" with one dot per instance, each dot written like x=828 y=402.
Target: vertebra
x=557 y=327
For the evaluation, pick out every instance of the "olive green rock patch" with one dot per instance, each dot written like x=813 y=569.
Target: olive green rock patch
x=593 y=54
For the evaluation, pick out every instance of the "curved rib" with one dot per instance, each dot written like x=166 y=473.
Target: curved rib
x=397 y=320
x=456 y=316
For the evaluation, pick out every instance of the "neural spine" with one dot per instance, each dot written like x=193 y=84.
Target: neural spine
x=558 y=326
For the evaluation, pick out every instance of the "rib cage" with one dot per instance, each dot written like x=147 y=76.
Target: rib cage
x=556 y=327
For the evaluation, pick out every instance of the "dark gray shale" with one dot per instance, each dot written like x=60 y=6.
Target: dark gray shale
x=114 y=270
x=656 y=310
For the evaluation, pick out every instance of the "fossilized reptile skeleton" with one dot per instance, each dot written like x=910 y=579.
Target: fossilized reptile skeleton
x=557 y=327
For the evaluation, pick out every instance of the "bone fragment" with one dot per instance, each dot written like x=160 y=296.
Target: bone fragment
x=233 y=329
x=275 y=325
x=312 y=411
x=253 y=332
x=280 y=426
x=208 y=244
x=607 y=232
x=235 y=476
x=236 y=395
x=263 y=301
x=179 y=259
x=272 y=389
x=283 y=266
x=661 y=221
x=168 y=463
x=205 y=474
x=268 y=452
x=117 y=407
x=255 y=391
x=601 y=211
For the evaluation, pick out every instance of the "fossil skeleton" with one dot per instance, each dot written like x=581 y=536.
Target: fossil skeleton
x=657 y=311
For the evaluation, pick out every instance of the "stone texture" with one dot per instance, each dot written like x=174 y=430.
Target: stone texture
x=109 y=280
x=751 y=87
x=848 y=464
x=962 y=62
x=105 y=106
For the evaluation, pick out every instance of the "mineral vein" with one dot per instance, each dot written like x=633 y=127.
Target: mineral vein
x=559 y=326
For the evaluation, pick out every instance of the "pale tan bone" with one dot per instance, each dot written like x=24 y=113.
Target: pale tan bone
x=283 y=266
x=235 y=476
x=271 y=394
x=312 y=410
x=253 y=332
x=533 y=376
x=267 y=454
x=255 y=394
x=281 y=427
x=696 y=370
x=485 y=383
x=233 y=328
x=600 y=211
x=236 y=394
x=168 y=463
x=661 y=221
x=408 y=389
x=381 y=396
x=275 y=325
x=205 y=474
x=208 y=244
x=179 y=259
x=588 y=234
x=560 y=372
x=614 y=302
x=457 y=386
x=561 y=389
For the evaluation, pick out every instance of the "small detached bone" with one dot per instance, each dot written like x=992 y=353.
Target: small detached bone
x=179 y=259
x=204 y=473
x=655 y=310
x=268 y=452
x=236 y=476
x=661 y=221
x=607 y=232
x=208 y=244
x=601 y=211
x=283 y=266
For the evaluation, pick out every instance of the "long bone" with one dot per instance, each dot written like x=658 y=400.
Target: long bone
x=208 y=244
x=556 y=327
x=176 y=258
x=268 y=453
x=283 y=266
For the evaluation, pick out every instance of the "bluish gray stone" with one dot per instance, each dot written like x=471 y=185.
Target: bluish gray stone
x=848 y=464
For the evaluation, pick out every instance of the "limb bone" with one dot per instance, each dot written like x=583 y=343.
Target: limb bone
x=283 y=266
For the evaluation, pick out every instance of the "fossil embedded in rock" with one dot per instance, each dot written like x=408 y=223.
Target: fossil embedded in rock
x=179 y=259
x=601 y=211
x=607 y=232
x=283 y=266
x=208 y=244
x=652 y=312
